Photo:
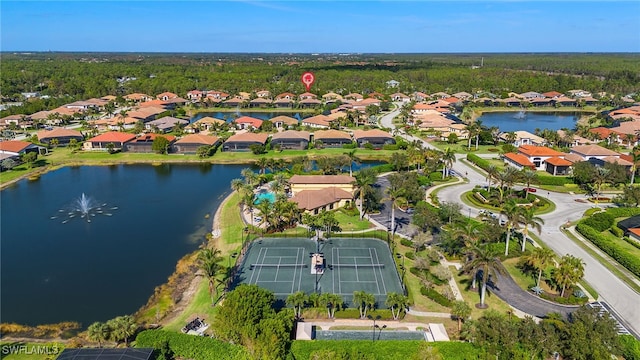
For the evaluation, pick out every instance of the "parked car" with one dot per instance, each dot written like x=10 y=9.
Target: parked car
x=530 y=189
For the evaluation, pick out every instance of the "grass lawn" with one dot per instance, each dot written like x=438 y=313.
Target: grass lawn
x=526 y=281
x=351 y=223
x=30 y=351
x=472 y=297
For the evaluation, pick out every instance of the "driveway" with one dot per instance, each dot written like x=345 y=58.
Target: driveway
x=621 y=298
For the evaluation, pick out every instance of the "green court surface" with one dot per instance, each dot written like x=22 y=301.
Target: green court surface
x=283 y=265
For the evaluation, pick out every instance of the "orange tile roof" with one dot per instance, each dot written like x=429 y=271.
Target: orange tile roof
x=153 y=136
x=169 y=95
x=317 y=120
x=558 y=161
x=284 y=119
x=156 y=102
x=593 y=150
x=519 y=159
x=57 y=132
x=375 y=133
x=248 y=120
x=321 y=179
x=551 y=94
x=113 y=136
x=330 y=134
x=14 y=145
x=635 y=231
x=313 y=199
x=452 y=100
x=532 y=150
x=199 y=139
x=249 y=137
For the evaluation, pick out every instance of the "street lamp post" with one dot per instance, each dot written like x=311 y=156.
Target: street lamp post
x=380 y=329
x=469 y=213
x=373 y=336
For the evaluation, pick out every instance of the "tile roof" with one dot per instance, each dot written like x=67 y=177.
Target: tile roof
x=635 y=231
x=558 y=161
x=284 y=119
x=317 y=120
x=167 y=94
x=552 y=94
x=210 y=120
x=519 y=159
x=330 y=134
x=313 y=199
x=617 y=160
x=249 y=137
x=532 y=150
x=14 y=145
x=152 y=136
x=256 y=123
x=113 y=136
x=291 y=134
x=321 y=179
x=198 y=139
x=58 y=132
x=593 y=150
x=574 y=158
x=373 y=133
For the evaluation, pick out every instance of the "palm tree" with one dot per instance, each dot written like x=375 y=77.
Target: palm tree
x=397 y=303
x=513 y=213
x=448 y=157
x=600 y=177
x=331 y=302
x=98 y=332
x=484 y=259
x=492 y=173
x=470 y=233
x=250 y=177
x=529 y=218
x=262 y=163
x=528 y=176
x=364 y=301
x=569 y=271
x=248 y=200
x=298 y=300
x=506 y=178
x=363 y=183
x=540 y=258
x=635 y=158
x=237 y=184
x=395 y=194
x=352 y=159
x=122 y=328
x=209 y=262
x=266 y=209
x=460 y=310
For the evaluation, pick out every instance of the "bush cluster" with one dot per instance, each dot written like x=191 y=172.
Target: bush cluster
x=600 y=221
x=189 y=346
x=612 y=249
x=435 y=296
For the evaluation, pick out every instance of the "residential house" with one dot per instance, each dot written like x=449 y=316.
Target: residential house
x=565 y=101
x=552 y=94
x=291 y=139
x=286 y=95
x=558 y=166
x=217 y=95
x=260 y=102
x=598 y=155
x=462 y=95
x=137 y=97
x=233 y=102
x=538 y=155
x=19 y=120
x=309 y=103
x=439 y=95
x=523 y=138
x=392 y=84
x=510 y=101
x=102 y=141
x=531 y=95
x=144 y=143
x=400 y=97
x=284 y=122
x=579 y=93
x=354 y=97
x=377 y=138
x=376 y=95
x=155 y=103
x=61 y=135
x=518 y=161
x=538 y=102
x=263 y=94
x=307 y=96
x=314 y=193
x=419 y=96
x=195 y=95
x=247 y=123
x=452 y=100
x=332 y=138
x=243 y=141
x=166 y=96
x=16 y=148
x=317 y=122
x=362 y=105
x=460 y=130
x=331 y=97
x=283 y=103
x=206 y=123
x=189 y=144
x=165 y=124
x=575 y=139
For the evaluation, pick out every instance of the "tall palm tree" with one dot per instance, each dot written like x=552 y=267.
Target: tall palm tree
x=250 y=177
x=262 y=163
x=448 y=158
x=99 y=332
x=353 y=159
x=600 y=177
x=513 y=214
x=209 y=262
x=483 y=259
x=528 y=176
x=298 y=300
x=397 y=303
x=364 y=301
x=569 y=271
x=122 y=328
x=395 y=194
x=529 y=218
x=266 y=209
x=635 y=158
x=492 y=173
x=237 y=184
x=248 y=200
x=363 y=183
x=331 y=302
x=506 y=178
x=469 y=233
x=540 y=258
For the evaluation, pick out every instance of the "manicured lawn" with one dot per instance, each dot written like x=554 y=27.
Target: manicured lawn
x=472 y=297
x=351 y=223
x=526 y=281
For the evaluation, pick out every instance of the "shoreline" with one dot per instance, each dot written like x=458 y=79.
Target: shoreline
x=479 y=111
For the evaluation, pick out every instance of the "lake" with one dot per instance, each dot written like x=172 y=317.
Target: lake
x=529 y=121
x=56 y=268
x=230 y=115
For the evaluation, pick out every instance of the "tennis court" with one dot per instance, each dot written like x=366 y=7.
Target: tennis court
x=284 y=266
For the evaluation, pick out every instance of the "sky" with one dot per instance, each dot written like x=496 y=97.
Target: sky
x=365 y=26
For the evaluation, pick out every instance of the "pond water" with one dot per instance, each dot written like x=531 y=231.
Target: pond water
x=230 y=115
x=58 y=266
x=529 y=121
x=61 y=268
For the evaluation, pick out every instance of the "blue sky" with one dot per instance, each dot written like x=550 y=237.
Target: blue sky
x=321 y=26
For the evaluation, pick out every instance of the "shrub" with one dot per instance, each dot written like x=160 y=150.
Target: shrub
x=350 y=146
x=600 y=221
x=352 y=313
x=189 y=346
x=409 y=255
x=435 y=176
x=631 y=242
x=435 y=296
x=612 y=249
x=630 y=347
x=390 y=147
x=442 y=273
x=571 y=300
x=554 y=180
x=368 y=146
x=477 y=160
x=616 y=231
x=406 y=242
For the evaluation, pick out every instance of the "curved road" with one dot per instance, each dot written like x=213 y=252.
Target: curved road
x=624 y=300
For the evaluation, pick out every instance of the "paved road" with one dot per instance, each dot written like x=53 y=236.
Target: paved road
x=622 y=299
x=384 y=217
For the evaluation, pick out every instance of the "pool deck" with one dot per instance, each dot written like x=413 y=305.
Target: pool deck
x=436 y=332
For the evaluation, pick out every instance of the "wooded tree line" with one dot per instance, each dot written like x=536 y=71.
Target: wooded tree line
x=76 y=78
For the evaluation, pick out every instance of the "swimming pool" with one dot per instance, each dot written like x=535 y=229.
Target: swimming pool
x=368 y=335
x=263 y=195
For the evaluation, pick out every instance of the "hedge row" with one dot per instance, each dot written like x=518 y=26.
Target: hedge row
x=478 y=161
x=435 y=296
x=191 y=347
x=351 y=313
x=612 y=249
x=427 y=275
x=619 y=212
x=600 y=221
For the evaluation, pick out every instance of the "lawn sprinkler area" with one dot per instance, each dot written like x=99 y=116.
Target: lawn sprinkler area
x=286 y=266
